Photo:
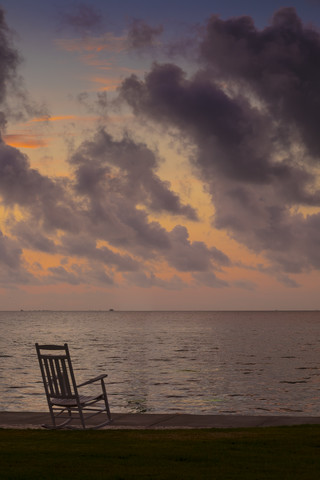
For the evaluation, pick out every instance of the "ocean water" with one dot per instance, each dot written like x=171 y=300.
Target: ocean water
x=192 y=362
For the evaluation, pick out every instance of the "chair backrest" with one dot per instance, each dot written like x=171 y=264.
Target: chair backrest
x=56 y=370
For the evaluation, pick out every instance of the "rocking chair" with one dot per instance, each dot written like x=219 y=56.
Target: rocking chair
x=62 y=391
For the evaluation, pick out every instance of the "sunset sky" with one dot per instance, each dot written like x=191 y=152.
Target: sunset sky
x=159 y=155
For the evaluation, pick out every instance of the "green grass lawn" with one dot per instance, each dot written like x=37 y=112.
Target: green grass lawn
x=255 y=453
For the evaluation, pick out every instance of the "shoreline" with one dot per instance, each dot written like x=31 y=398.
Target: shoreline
x=35 y=420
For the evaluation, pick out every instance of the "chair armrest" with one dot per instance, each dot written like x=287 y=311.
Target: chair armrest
x=92 y=380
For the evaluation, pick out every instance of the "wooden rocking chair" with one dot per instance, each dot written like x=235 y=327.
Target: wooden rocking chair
x=62 y=391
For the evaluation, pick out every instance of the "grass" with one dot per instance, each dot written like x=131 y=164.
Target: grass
x=255 y=453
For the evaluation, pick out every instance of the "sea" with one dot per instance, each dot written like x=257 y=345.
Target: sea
x=201 y=362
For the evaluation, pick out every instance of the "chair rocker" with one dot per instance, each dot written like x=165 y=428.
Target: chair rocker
x=62 y=391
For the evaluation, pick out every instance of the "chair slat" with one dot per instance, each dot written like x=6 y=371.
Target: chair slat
x=66 y=377
x=59 y=377
x=52 y=347
x=48 y=377
x=53 y=374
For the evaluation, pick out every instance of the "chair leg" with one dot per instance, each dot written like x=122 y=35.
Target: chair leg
x=53 y=418
x=106 y=400
x=81 y=417
x=54 y=425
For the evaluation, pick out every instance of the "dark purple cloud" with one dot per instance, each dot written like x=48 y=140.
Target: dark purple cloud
x=15 y=103
x=114 y=177
x=30 y=235
x=85 y=247
x=14 y=100
x=230 y=128
x=141 y=35
x=187 y=256
x=251 y=109
x=10 y=252
x=127 y=168
x=9 y=60
x=49 y=201
x=12 y=267
x=83 y=18
x=280 y=64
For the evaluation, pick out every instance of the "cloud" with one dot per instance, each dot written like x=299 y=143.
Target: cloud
x=14 y=99
x=12 y=267
x=195 y=256
x=9 y=57
x=10 y=252
x=229 y=131
x=78 y=275
x=85 y=246
x=141 y=35
x=127 y=168
x=30 y=235
x=97 y=105
x=111 y=179
x=279 y=64
x=144 y=280
x=100 y=217
x=288 y=282
x=9 y=61
x=251 y=112
x=83 y=18
x=209 y=279
x=48 y=201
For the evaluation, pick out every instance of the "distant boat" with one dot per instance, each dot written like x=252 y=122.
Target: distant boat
x=111 y=310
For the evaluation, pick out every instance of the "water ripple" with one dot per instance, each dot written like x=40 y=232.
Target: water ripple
x=208 y=362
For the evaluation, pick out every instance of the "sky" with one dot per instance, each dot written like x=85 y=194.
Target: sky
x=159 y=155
